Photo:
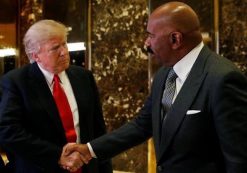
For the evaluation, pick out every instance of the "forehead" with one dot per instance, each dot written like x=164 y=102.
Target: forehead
x=159 y=24
x=151 y=26
x=154 y=26
x=53 y=40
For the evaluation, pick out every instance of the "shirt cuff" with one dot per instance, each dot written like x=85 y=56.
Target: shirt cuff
x=91 y=150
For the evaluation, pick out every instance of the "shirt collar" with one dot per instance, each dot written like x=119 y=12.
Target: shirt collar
x=49 y=76
x=183 y=67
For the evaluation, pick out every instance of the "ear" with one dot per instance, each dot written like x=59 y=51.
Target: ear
x=35 y=57
x=176 y=39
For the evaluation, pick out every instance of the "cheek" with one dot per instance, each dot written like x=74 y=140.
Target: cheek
x=51 y=61
x=162 y=45
x=55 y=61
x=157 y=46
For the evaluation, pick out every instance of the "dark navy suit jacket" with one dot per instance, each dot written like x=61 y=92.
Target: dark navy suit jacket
x=30 y=126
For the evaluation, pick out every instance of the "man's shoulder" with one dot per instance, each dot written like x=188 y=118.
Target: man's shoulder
x=18 y=72
x=79 y=71
x=219 y=64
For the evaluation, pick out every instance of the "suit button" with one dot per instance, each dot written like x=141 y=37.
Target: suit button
x=160 y=168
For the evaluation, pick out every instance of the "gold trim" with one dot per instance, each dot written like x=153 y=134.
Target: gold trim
x=151 y=152
x=216 y=25
x=4 y=157
x=89 y=36
x=151 y=157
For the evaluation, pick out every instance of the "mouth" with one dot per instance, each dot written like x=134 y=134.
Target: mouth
x=149 y=49
x=65 y=61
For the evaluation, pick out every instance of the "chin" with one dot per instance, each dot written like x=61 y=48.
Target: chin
x=65 y=64
x=156 y=60
x=63 y=67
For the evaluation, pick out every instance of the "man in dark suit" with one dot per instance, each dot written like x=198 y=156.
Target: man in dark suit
x=202 y=127
x=32 y=129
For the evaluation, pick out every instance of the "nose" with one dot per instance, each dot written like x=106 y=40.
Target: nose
x=64 y=49
x=147 y=42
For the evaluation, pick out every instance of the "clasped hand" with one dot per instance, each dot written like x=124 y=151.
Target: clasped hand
x=74 y=156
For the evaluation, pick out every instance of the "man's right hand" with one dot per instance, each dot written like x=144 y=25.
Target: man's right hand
x=71 y=162
x=81 y=148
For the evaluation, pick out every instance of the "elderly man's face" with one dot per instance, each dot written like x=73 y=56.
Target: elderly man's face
x=54 y=55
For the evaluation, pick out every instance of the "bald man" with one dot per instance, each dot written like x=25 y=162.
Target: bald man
x=198 y=120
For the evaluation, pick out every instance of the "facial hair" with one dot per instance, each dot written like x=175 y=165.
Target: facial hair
x=149 y=50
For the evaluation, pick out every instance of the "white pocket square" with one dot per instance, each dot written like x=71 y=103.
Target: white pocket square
x=190 y=112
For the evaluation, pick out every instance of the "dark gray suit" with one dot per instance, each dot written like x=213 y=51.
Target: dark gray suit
x=30 y=126
x=211 y=141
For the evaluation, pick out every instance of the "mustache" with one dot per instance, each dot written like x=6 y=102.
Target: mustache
x=149 y=49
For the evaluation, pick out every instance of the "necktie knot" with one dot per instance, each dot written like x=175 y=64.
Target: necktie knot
x=171 y=75
x=169 y=91
x=56 y=78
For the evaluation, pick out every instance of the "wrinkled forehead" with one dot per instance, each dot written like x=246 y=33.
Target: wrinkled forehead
x=53 y=41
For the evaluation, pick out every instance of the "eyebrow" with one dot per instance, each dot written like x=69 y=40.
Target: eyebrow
x=150 y=33
x=55 y=46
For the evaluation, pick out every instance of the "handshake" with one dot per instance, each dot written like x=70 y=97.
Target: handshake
x=74 y=156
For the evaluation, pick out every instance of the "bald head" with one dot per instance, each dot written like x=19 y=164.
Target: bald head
x=178 y=15
x=174 y=30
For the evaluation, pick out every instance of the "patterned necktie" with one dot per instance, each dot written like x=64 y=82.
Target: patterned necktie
x=64 y=110
x=169 y=92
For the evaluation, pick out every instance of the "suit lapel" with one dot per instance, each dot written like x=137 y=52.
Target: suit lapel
x=183 y=101
x=43 y=95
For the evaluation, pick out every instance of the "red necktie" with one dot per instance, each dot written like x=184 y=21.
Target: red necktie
x=64 y=111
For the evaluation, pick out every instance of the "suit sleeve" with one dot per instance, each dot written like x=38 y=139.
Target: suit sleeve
x=15 y=137
x=127 y=136
x=230 y=115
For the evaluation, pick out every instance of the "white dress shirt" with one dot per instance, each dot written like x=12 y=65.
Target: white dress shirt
x=183 y=67
x=65 y=84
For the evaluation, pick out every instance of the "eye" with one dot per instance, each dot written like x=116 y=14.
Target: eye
x=149 y=35
x=55 y=48
x=64 y=45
